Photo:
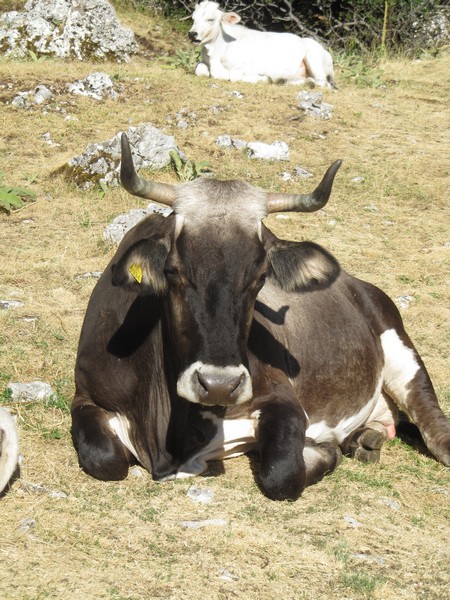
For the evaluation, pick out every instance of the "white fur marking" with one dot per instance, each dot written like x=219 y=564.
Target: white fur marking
x=121 y=427
x=321 y=432
x=400 y=365
x=233 y=438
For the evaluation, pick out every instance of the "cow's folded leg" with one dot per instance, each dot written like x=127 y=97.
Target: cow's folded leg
x=100 y=451
x=281 y=440
x=320 y=460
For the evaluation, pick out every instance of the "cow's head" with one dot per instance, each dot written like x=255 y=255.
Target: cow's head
x=208 y=260
x=207 y=22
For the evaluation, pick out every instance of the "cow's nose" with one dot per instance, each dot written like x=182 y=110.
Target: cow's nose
x=192 y=36
x=223 y=390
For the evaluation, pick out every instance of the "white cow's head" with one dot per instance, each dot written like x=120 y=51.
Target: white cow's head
x=207 y=21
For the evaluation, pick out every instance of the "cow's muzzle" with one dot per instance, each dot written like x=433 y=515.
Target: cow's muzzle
x=193 y=37
x=212 y=385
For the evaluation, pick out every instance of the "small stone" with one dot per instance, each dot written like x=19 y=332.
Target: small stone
x=274 y=151
x=227 y=575
x=404 y=301
x=205 y=523
x=30 y=392
x=201 y=495
x=42 y=94
x=369 y=558
x=351 y=522
x=394 y=504
x=27 y=524
x=7 y=304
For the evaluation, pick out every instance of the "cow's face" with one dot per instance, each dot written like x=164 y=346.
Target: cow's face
x=208 y=261
x=207 y=21
x=209 y=266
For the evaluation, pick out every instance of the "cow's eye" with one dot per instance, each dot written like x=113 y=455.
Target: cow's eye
x=171 y=272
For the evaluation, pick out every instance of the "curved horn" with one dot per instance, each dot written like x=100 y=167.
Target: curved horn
x=305 y=202
x=163 y=193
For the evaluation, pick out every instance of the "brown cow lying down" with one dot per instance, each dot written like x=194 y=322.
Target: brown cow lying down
x=207 y=337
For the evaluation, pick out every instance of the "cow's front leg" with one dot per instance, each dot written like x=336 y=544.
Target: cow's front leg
x=101 y=454
x=281 y=440
x=202 y=70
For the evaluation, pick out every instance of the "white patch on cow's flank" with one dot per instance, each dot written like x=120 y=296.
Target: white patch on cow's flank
x=121 y=427
x=233 y=438
x=400 y=366
x=322 y=432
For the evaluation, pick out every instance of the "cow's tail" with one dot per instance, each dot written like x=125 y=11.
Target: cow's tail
x=9 y=448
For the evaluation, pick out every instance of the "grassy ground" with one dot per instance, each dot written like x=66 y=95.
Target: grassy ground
x=367 y=531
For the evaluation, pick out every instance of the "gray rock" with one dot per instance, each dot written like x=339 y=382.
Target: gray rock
x=311 y=103
x=273 y=151
x=404 y=301
x=20 y=101
x=205 y=523
x=96 y=85
x=30 y=392
x=352 y=522
x=42 y=94
x=200 y=495
x=7 y=304
x=80 y=29
x=115 y=231
x=226 y=141
x=369 y=558
x=100 y=163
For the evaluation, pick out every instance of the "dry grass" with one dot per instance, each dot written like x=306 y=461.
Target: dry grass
x=124 y=540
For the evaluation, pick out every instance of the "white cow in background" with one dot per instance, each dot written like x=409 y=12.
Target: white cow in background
x=9 y=448
x=231 y=51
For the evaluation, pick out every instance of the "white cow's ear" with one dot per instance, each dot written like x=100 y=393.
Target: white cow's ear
x=231 y=18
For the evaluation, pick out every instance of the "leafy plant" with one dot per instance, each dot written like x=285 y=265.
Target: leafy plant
x=188 y=170
x=185 y=59
x=12 y=198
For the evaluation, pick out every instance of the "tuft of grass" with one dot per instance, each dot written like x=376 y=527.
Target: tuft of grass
x=364 y=584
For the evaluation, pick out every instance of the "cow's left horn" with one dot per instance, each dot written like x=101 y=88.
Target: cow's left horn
x=159 y=192
x=305 y=202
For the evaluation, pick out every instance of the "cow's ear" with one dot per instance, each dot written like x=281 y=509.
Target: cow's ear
x=231 y=18
x=299 y=266
x=141 y=268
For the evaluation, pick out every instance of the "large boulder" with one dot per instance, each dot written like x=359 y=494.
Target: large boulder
x=100 y=162
x=81 y=29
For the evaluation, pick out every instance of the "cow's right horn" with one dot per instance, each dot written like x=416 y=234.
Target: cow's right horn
x=163 y=193
x=305 y=202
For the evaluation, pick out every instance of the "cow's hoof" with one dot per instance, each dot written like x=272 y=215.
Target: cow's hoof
x=366 y=445
x=367 y=456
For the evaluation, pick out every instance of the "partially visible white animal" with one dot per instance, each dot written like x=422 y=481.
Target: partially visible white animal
x=9 y=448
x=231 y=51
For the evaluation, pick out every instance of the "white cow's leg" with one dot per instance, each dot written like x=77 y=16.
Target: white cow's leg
x=202 y=70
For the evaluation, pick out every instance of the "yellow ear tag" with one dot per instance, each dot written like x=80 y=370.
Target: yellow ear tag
x=136 y=271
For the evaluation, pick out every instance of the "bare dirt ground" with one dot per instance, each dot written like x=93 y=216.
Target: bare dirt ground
x=367 y=531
